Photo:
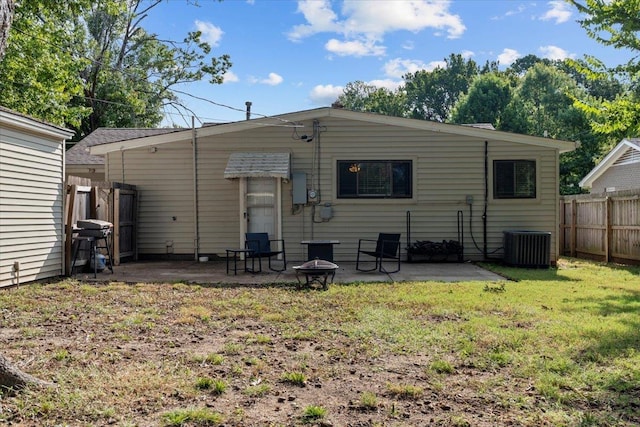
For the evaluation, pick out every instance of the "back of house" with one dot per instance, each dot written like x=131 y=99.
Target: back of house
x=332 y=174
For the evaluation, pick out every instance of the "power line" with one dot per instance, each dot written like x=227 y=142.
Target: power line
x=135 y=78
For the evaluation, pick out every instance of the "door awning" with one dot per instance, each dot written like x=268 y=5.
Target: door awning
x=258 y=165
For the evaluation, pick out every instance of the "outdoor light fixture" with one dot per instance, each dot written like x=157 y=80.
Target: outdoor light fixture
x=354 y=168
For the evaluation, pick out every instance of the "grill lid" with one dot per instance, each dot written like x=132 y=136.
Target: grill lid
x=93 y=224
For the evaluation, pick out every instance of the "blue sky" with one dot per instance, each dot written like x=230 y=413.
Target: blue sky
x=295 y=55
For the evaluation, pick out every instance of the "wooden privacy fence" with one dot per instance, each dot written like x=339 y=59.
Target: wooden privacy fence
x=113 y=202
x=601 y=226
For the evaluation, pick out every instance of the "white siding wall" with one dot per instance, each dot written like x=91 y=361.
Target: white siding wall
x=31 y=206
x=447 y=168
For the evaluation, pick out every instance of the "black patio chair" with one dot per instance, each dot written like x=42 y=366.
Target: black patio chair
x=386 y=247
x=260 y=246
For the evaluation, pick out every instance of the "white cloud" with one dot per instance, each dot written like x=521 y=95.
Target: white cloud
x=554 y=52
x=399 y=67
x=325 y=94
x=320 y=18
x=508 y=56
x=467 y=54
x=210 y=33
x=363 y=23
x=386 y=83
x=354 y=48
x=408 y=45
x=273 y=80
x=382 y=16
x=559 y=11
x=230 y=77
x=518 y=10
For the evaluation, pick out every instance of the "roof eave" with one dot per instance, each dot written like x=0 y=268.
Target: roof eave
x=609 y=159
x=292 y=119
x=34 y=125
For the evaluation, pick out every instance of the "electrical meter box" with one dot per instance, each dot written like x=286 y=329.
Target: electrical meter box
x=299 y=191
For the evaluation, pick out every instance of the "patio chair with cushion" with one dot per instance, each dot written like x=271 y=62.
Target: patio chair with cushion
x=260 y=246
x=386 y=247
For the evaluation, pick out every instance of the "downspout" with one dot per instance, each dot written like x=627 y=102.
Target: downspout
x=196 y=230
x=486 y=200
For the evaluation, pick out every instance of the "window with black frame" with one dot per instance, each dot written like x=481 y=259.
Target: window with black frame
x=375 y=179
x=514 y=179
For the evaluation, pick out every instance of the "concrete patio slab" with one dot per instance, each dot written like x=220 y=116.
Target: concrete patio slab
x=214 y=272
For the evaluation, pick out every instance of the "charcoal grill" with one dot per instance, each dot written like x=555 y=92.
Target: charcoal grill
x=96 y=233
x=316 y=271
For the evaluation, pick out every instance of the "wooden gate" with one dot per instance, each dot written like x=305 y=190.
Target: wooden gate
x=113 y=202
x=125 y=202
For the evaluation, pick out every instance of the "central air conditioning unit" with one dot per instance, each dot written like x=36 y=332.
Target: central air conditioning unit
x=529 y=249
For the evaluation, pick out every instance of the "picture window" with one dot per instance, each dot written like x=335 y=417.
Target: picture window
x=375 y=179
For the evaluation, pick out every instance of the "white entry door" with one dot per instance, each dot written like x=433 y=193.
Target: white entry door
x=262 y=207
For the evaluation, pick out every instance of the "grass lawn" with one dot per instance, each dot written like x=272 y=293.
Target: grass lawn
x=551 y=347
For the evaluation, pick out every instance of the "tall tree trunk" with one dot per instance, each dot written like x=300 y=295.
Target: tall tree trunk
x=6 y=16
x=12 y=377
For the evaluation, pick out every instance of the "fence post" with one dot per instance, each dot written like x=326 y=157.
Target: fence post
x=561 y=227
x=93 y=203
x=573 y=235
x=72 y=190
x=607 y=229
x=116 y=226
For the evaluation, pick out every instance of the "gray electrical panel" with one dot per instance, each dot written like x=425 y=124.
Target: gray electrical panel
x=299 y=188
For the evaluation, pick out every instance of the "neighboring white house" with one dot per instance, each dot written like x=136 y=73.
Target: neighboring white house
x=619 y=170
x=340 y=175
x=32 y=198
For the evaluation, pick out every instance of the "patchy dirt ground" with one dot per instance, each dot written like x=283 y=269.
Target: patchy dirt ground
x=134 y=354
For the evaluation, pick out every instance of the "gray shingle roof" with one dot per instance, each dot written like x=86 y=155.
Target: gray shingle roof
x=258 y=165
x=79 y=153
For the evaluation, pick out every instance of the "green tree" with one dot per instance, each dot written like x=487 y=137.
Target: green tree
x=359 y=96
x=38 y=76
x=616 y=24
x=94 y=65
x=488 y=96
x=542 y=105
x=613 y=23
x=431 y=95
x=6 y=17
x=135 y=71
x=521 y=65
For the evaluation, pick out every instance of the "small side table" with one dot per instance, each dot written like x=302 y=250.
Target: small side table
x=233 y=253
x=320 y=249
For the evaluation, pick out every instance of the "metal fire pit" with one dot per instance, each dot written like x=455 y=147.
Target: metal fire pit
x=316 y=271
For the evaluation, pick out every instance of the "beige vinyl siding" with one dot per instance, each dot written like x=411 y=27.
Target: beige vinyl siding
x=446 y=169
x=164 y=180
x=31 y=206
